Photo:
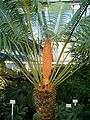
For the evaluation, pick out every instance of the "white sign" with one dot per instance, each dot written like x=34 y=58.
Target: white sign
x=12 y=101
x=68 y=105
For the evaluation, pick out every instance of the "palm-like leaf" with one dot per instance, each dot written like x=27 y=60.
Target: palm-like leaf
x=54 y=17
x=69 y=69
x=82 y=35
x=17 y=29
x=19 y=34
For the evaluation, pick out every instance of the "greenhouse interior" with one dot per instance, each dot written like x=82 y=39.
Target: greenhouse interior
x=44 y=59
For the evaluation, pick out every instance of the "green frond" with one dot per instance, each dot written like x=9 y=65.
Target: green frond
x=66 y=42
x=54 y=18
x=67 y=75
x=18 y=21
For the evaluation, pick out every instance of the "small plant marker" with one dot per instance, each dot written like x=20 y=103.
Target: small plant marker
x=68 y=106
x=75 y=101
x=12 y=102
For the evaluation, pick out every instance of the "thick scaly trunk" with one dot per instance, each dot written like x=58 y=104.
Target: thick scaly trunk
x=45 y=94
x=45 y=101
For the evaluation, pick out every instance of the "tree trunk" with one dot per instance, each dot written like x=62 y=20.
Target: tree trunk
x=45 y=101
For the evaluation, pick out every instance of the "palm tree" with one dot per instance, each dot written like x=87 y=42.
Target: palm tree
x=17 y=32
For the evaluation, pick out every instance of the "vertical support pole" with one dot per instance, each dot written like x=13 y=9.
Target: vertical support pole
x=12 y=102
x=12 y=111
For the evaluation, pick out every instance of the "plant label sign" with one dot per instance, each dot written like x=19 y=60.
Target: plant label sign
x=12 y=101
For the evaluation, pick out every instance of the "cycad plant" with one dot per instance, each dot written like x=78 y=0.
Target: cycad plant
x=18 y=19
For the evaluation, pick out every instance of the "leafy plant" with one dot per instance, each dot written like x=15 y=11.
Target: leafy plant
x=77 y=86
x=16 y=29
x=5 y=112
x=20 y=91
x=63 y=113
x=85 y=113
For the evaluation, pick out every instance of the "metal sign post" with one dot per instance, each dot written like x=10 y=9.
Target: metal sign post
x=12 y=102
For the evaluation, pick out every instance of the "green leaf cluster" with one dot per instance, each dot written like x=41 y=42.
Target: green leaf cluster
x=17 y=37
